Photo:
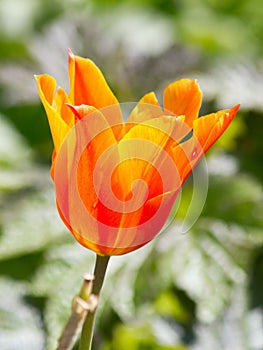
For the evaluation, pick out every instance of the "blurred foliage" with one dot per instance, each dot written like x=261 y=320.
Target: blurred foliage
x=200 y=290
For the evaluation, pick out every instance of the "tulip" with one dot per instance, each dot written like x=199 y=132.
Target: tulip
x=115 y=181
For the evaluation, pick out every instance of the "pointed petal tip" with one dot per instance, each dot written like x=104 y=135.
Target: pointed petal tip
x=236 y=108
x=233 y=111
x=70 y=53
x=38 y=77
x=74 y=110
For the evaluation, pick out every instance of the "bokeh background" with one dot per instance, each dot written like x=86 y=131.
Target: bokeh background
x=202 y=290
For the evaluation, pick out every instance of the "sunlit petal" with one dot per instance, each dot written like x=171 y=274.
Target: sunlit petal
x=88 y=86
x=147 y=108
x=209 y=128
x=60 y=102
x=183 y=97
x=59 y=128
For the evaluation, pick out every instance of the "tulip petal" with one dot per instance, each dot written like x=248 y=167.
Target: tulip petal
x=186 y=155
x=90 y=159
x=144 y=225
x=206 y=132
x=142 y=170
x=147 y=146
x=58 y=127
x=88 y=86
x=183 y=97
x=147 y=108
x=77 y=185
x=135 y=233
x=209 y=128
x=60 y=102
x=83 y=240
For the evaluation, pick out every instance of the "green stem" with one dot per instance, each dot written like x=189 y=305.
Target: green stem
x=81 y=303
x=88 y=327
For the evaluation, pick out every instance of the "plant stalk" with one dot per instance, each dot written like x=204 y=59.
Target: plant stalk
x=81 y=305
x=88 y=326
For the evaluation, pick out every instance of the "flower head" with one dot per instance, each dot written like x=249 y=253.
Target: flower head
x=116 y=181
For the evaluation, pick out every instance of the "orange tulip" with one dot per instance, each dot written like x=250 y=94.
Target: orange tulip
x=116 y=181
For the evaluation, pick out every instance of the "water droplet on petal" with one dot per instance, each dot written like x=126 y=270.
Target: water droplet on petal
x=194 y=153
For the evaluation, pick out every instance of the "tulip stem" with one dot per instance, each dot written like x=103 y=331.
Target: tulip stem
x=88 y=326
x=81 y=305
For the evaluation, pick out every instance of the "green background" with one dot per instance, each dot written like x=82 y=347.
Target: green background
x=198 y=290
